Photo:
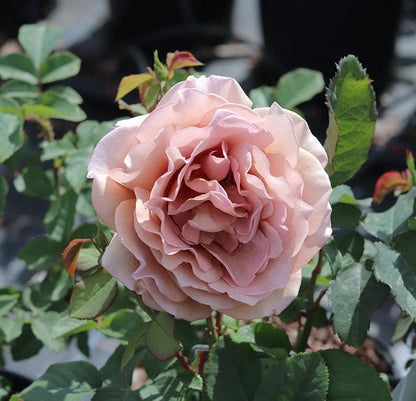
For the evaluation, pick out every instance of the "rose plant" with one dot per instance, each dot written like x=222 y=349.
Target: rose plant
x=222 y=222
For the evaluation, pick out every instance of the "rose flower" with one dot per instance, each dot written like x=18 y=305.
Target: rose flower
x=215 y=205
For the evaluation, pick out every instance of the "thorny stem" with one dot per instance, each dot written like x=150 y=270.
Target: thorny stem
x=184 y=362
x=303 y=334
x=218 y=323
x=211 y=331
x=45 y=124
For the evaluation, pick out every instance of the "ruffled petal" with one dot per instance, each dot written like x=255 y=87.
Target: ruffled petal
x=272 y=305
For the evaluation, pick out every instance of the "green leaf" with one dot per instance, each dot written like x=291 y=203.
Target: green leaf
x=11 y=327
x=123 y=324
x=263 y=96
x=59 y=66
x=113 y=376
x=303 y=377
x=151 y=95
x=9 y=297
x=41 y=110
x=38 y=41
x=41 y=253
x=269 y=336
x=168 y=386
x=154 y=367
x=93 y=295
x=4 y=189
x=65 y=92
x=5 y=388
x=244 y=334
x=136 y=109
x=345 y=216
x=351 y=379
x=19 y=89
x=398 y=271
x=161 y=70
x=403 y=325
x=298 y=86
x=350 y=243
x=132 y=346
x=232 y=372
x=90 y=132
x=58 y=148
x=333 y=256
x=11 y=138
x=34 y=182
x=43 y=326
x=76 y=168
x=386 y=225
x=192 y=333
x=26 y=345
x=131 y=82
x=67 y=326
x=116 y=394
x=34 y=298
x=87 y=259
x=71 y=381
x=344 y=194
x=59 y=219
x=18 y=66
x=352 y=118
x=160 y=340
x=57 y=285
x=354 y=295
x=62 y=107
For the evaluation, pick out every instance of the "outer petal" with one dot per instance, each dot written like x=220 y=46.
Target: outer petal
x=317 y=190
x=113 y=148
x=106 y=196
x=120 y=262
x=278 y=123
x=273 y=304
x=227 y=88
x=306 y=139
x=110 y=153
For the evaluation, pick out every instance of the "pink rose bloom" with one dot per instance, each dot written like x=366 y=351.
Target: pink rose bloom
x=215 y=205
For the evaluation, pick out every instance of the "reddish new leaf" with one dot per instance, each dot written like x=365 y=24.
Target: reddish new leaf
x=392 y=181
x=180 y=59
x=71 y=253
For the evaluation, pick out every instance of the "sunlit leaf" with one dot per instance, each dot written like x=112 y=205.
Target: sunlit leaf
x=59 y=66
x=38 y=41
x=93 y=295
x=352 y=118
x=160 y=340
x=18 y=66
x=132 y=82
x=298 y=86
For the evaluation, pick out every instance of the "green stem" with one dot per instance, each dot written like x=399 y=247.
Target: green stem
x=46 y=125
x=302 y=341
x=303 y=334
x=211 y=331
